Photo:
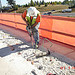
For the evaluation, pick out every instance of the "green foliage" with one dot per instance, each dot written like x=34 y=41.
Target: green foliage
x=11 y=2
x=71 y=3
x=3 y=6
x=49 y=3
x=32 y=3
x=46 y=4
x=19 y=5
x=15 y=7
x=43 y=2
x=66 y=2
x=23 y=6
x=54 y=3
x=59 y=2
x=26 y=5
x=39 y=5
x=35 y=4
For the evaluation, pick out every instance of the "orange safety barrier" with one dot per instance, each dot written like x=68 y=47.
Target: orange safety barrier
x=64 y=30
x=52 y=27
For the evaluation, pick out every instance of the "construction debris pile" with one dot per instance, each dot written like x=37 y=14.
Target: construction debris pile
x=18 y=58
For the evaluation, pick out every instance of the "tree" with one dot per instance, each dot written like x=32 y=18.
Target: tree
x=40 y=2
x=23 y=6
x=32 y=3
x=59 y=2
x=51 y=2
x=55 y=2
x=15 y=7
x=11 y=2
x=19 y=5
x=66 y=2
x=28 y=4
x=69 y=2
x=72 y=3
x=43 y=2
x=37 y=3
x=46 y=4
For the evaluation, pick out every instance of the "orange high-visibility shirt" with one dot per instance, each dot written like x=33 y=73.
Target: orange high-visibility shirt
x=24 y=14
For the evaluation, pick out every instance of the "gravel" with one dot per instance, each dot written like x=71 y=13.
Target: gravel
x=22 y=59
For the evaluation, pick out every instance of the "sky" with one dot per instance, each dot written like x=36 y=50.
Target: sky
x=21 y=2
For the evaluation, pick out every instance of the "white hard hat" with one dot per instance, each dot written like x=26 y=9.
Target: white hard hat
x=32 y=11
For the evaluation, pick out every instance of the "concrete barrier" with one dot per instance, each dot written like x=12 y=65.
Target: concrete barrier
x=61 y=29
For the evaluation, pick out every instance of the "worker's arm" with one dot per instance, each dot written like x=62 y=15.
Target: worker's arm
x=24 y=17
x=25 y=21
x=34 y=24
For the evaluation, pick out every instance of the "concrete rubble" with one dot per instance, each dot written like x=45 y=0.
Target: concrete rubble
x=18 y=58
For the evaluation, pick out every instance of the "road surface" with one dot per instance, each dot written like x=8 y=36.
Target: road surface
x=64 y=14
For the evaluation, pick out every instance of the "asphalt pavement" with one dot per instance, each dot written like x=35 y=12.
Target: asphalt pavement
x=63 y=14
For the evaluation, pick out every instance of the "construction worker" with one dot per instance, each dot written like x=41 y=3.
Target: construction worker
x=32 y=18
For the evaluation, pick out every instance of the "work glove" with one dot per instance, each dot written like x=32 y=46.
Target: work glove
x=29 y=27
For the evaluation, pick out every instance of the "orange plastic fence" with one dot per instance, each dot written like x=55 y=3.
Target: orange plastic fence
x=64 y=30
x=57 y=28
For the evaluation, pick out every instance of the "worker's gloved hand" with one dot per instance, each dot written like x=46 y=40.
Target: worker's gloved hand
x=29 y=27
